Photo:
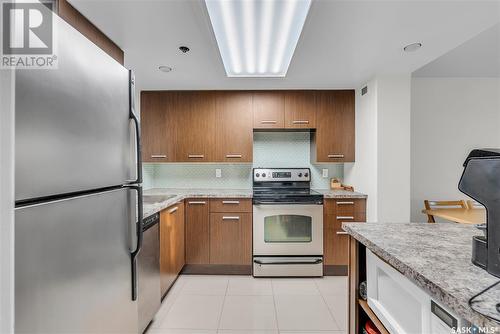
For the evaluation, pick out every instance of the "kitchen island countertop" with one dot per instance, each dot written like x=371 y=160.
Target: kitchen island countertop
x=437 y=258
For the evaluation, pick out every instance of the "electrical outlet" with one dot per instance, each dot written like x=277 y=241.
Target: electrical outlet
x=325 y=172
x=218 y=172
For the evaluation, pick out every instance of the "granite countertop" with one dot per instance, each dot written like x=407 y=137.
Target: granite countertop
x=153 y=206
x=330 y=193
x=437 y=258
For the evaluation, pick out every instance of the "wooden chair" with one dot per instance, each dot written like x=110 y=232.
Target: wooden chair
x=474 y=205
x=429 y=205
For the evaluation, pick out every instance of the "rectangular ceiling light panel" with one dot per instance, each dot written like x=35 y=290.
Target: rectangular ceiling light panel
x=257 y=38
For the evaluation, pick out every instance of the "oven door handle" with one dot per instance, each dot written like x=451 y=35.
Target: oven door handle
x=315 y=261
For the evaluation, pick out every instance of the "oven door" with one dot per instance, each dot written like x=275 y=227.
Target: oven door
x=288 y=229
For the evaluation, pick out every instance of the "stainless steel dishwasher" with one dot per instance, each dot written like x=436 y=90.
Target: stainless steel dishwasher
x=149 y=293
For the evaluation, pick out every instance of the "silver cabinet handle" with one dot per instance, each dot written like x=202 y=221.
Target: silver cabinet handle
x=268 y=121
x=158 y=156
x=230 y=202
x=301 y=122
x=196 y=156
x=345 y=203
x=341 y=233
x=197 y=202
x=173 y=209
x=335 y=156
x=233 y=155
x=345 y=217
x=230 y=218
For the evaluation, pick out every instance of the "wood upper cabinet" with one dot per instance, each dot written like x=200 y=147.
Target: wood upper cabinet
x=233 y=127
x=336 y=241
x=333 y=140
x=157 y=127
x=268 y=110
x=194 y=119
x=197 y=231
x=300 y=109
x=171 y=244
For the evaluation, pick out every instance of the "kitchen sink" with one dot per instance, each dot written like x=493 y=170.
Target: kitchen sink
x=156 y=198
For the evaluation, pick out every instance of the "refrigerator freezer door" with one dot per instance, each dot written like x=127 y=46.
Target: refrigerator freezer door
x=73 y=131
x=73 y=265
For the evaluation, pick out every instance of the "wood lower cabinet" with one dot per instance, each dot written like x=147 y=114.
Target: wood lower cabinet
x=335 y=240
x=300 y=109
x=231 y=238
x=197 y=231
x=233 y=128
x=333 y=140
x=268 y=110
x=171 y=245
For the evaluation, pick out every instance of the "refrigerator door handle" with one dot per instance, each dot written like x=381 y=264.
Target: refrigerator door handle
x=137 y=126
x=139 y=233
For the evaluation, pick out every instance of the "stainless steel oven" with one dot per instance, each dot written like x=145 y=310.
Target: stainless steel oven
x=287 y=224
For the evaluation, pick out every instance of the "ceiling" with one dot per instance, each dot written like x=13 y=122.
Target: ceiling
x=343 y=43
x=478 y=57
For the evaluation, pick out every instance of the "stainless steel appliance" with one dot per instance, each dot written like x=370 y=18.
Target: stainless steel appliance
x=480 y=180
x=148 y=264
x=78 y=193
x=287 y=223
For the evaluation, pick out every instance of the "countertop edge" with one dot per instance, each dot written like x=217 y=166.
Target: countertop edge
x=422 y=282
x=225 y=193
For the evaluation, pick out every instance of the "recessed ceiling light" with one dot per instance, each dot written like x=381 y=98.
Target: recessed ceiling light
x=412 y=47
x=257 y=38
x=164 y=68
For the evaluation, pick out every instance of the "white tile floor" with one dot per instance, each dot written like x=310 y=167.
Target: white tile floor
x=243 y=305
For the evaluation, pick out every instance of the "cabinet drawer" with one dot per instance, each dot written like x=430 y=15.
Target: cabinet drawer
x=231 y=205
x=334 y=222
x=345 y=206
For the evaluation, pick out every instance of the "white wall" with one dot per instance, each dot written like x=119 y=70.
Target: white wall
x=363 y=173
x=6 y=202
x=393 y=172
x=382 y=167
x=450 y=116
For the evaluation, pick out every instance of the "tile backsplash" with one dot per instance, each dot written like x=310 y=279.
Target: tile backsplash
x=270 y=149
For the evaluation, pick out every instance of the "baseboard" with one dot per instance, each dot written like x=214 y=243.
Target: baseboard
x=335 y=270
x=216 y=269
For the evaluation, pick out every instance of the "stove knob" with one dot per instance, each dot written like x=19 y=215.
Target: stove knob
x=306 y=174
x=300 y=174
x=263 y=174
x=257 y=175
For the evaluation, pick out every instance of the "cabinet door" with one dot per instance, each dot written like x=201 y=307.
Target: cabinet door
x=334 y=137
x=300 y=110
x=157 y=127
x=194 y=115
x=234 y=130
x=168 y=219
x=268 y=110
x=180 y=258
x=197 y=231
x=231 y=238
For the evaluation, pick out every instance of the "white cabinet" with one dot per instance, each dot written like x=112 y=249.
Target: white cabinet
x=402 y=306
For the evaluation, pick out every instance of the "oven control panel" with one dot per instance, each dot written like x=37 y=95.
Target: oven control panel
x=281 y=174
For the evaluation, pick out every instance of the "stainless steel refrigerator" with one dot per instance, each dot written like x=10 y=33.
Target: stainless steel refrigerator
x=78 y=193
